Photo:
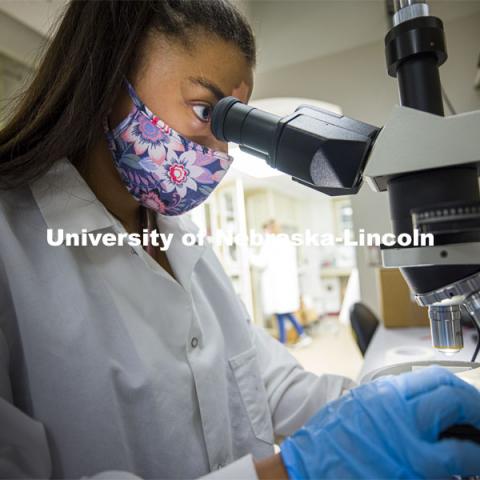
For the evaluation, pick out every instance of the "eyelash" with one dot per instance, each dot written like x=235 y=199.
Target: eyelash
x=202 y=106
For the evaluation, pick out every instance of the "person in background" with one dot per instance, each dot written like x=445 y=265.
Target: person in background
x=279 y=285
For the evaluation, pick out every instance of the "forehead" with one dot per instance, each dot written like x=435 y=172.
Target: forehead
x=205 y=56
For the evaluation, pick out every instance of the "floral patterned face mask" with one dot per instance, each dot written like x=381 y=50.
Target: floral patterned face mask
x=162 y=169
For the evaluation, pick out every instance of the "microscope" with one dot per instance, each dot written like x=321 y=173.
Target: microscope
x=428 y=163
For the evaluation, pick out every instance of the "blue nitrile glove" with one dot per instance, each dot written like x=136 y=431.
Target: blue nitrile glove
x=389 y=429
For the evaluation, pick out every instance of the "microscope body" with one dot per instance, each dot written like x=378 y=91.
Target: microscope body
x=427 y=163
x=410 y=143
x=435 y=189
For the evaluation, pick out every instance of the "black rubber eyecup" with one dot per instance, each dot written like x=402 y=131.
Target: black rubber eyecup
x=218 y=116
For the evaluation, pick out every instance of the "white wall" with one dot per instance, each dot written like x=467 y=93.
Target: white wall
x=19 y=42
x=356 y=80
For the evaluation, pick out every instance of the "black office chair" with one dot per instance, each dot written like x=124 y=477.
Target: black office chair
x=364 y=323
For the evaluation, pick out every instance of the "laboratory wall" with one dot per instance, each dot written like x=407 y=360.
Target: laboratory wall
x=357 y=81
x=18 y=41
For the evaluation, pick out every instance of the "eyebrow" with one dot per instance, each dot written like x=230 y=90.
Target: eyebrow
x=203 y=82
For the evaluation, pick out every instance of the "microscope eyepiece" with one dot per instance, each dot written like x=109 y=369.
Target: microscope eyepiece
x=253 y=129
x=319 y=149
x=219 y=114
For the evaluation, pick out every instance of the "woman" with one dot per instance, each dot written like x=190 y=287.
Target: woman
x=279 y=281
x=117 y=362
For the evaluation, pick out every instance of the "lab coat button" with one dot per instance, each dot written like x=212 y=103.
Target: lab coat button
x=194 y=342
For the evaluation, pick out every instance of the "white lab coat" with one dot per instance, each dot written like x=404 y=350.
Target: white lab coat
x=279 y=283
x=110 y=367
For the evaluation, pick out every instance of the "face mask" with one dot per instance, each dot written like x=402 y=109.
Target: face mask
x=162 y=169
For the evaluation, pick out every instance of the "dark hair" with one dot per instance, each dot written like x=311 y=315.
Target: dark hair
x=79 y=77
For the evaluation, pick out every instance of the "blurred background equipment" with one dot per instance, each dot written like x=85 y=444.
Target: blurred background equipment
x=364 y=324
x=397 y=303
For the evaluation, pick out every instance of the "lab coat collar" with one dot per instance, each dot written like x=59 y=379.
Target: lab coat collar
x=66 y=202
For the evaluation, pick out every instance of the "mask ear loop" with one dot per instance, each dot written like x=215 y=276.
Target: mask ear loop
x=108 y=133
x=137 y=104
x=133 y=94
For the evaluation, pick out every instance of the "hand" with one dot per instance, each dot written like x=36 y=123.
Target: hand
x=271 y=467
x=389 y=429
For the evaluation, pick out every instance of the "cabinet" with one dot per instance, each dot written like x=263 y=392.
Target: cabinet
x=224 y=212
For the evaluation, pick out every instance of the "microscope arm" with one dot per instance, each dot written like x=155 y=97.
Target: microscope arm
x=412 y=140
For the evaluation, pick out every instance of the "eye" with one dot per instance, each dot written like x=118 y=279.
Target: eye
x=202 y=112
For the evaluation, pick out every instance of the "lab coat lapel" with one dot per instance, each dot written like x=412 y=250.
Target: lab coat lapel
x=68 y=203
x=181 y=256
